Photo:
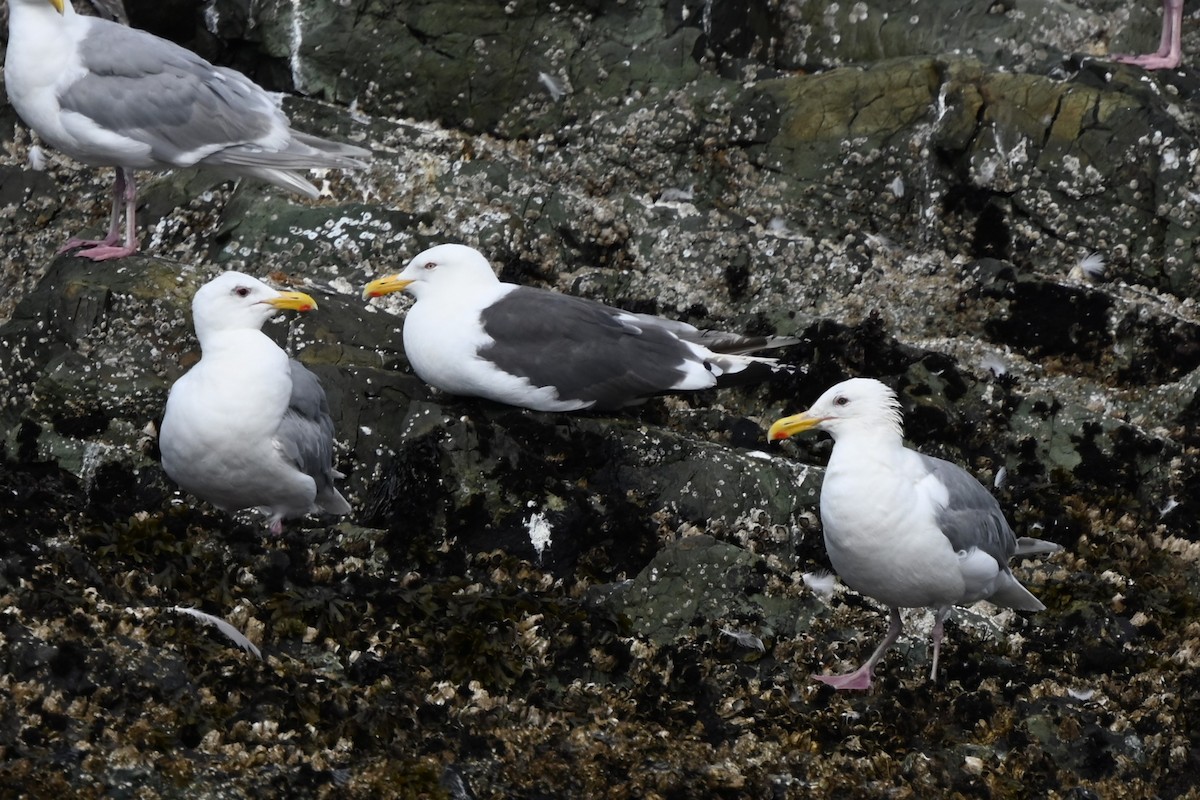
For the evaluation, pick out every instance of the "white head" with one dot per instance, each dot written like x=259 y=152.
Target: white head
x=53 y=9
x=854 y=405
x=233 y=301
x=447 y=266
x=59 y=6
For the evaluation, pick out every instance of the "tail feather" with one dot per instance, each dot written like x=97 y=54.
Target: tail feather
x=716 y=341
x=1029 y=546
x=303 y=152
x=277 y=177
x=332 y=148
x=1011 y=594
x=740 y=370
x=737 y=344
x=330 y=501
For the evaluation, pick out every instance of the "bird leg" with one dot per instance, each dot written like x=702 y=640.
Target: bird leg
x=124 y=192
x=114 y=221
x=1170 y=46
x=861 y=678
x=938 y=619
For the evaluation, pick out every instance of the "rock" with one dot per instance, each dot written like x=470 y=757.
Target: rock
x=966 y=202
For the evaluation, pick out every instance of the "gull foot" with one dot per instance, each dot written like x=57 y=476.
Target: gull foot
x=75 y=243
x=106 y=252
x=1152 y=61
x=859 y=680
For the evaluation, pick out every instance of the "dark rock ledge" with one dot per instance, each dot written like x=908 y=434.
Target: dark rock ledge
x=529 y=605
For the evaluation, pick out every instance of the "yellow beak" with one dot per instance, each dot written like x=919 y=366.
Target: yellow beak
x=790 y=426
x=292 y=301
x=385 y=285
x=58 y=5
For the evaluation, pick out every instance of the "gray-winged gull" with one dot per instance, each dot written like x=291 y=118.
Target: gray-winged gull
x=247 y=427
x=471 y=334
x=910 y=530
x=1170 y=45
x=109 y=95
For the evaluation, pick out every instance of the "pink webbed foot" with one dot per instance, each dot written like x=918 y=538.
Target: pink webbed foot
x=107 y=249
x=107 y=252
x=1152 y=61
x=859 y=680
x=1170 y=46
x=74 y=243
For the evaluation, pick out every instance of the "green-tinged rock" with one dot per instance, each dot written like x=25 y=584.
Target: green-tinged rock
x=966 y=202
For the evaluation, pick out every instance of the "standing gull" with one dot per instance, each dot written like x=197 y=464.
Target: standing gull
x=109 y=95
x=471 y=334
x=247 y=426
x=910 y=530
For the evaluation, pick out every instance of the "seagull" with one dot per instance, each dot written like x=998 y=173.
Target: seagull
x=1170 y=47
x=471 y=334
x=110 y=95
x=907 y=529
x=247 y=427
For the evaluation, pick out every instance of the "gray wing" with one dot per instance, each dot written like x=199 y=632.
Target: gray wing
x=186 y=110
x=584 y=349
x=972 y=517
x=306 y=434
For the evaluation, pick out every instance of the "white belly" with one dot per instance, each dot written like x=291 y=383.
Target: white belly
x=882 y=540
x=218 y=439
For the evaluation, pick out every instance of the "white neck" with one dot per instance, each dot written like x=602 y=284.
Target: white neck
x=880 y=432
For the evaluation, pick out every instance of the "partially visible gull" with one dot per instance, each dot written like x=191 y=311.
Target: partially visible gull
x=109 y=95
x=1170 y=46
x=910 y=530
x=247 y=427
x=471 y=334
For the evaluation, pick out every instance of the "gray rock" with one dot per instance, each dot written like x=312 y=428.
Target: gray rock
x=569 y=605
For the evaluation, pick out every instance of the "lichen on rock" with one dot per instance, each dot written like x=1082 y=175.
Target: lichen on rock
x=967 y=203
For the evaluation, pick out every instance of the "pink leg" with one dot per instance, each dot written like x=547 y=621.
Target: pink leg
x=114 y=222
x=1170 y=47
x=938 y=619
x=861 y=678
x=124 y=192
x=276 y=526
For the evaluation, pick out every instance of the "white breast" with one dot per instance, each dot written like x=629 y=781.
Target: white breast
x=881 y=532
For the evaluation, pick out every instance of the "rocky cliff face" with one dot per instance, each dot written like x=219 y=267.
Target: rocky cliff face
x=963 y=202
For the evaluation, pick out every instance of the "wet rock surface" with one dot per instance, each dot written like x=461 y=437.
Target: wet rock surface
x=964 y=202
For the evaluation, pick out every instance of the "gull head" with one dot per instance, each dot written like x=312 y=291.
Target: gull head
x=235 y=301
x=58 y=5
x=447 y=267
x=856 y=404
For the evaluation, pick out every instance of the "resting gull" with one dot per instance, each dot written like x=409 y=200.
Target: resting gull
x=910 y=530
x=1170 y=45
x=247 y=426
x=469 y=333
x=109 y=95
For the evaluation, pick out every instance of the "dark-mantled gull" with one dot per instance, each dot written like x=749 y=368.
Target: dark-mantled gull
x=109 y=95
x=248 y=427
x=1170 y=46
x=908 y=529
x=469 y=333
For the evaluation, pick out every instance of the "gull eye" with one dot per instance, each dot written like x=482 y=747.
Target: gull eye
x=430 y=265
x=242 y=291
x=841 y=400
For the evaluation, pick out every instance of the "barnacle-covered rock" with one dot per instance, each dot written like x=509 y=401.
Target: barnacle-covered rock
x=965 y=202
